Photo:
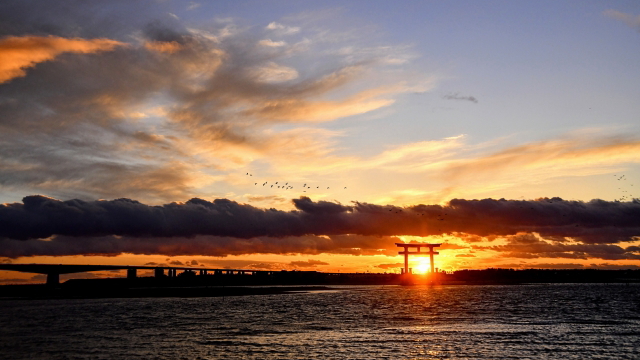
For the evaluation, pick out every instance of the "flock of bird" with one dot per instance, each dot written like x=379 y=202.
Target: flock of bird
x=440 y=217
x=279 y=185
x=626 y=194
x=286 y=186
x=306 y=186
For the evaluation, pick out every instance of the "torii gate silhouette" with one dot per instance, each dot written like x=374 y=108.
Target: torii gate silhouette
x=406 y=253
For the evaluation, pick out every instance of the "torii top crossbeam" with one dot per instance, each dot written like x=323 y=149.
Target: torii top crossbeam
x=406 y=253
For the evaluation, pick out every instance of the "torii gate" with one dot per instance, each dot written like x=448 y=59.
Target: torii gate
x=406 y=253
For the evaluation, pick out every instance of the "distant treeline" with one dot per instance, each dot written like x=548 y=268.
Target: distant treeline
x=545 y=276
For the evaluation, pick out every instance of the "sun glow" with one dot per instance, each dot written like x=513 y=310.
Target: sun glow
x=422 y=266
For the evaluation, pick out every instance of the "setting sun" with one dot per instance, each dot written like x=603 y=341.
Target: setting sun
x=421 y=266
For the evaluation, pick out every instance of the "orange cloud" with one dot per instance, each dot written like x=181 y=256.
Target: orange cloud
x=417 y=156
x=298 y=109
x=316 y=111
x=205 y=89
x=19 y=53
x=540 y=161
x=163 y=46
x=558 y=154
x=308 y=263
x=271 y=43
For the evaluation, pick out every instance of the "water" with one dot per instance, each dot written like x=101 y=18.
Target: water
x=567 y=321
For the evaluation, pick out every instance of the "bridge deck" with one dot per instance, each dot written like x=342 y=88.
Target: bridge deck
x=72 y=268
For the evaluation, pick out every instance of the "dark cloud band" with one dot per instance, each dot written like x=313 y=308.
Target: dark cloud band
x=596 y=221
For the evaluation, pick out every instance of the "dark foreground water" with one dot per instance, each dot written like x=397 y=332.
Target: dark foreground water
x=442 y=322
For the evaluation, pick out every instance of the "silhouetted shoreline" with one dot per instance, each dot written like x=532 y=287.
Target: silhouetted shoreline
x=191 y=285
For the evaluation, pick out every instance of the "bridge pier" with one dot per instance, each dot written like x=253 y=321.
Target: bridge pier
x=53 y=279
x=158 y=272
x=132 y=273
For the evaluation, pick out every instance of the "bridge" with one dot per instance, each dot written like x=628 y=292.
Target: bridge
x=53 y=271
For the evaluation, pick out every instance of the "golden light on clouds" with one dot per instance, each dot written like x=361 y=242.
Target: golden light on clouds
x=21 y=52
x=169 y=47
x=364 y=127
x=273 y=73
x=298 y=110
x=554 y=157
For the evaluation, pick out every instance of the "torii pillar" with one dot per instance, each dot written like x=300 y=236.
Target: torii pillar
x=406 y=253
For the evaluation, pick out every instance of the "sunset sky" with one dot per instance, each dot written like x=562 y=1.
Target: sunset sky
x=314 y=135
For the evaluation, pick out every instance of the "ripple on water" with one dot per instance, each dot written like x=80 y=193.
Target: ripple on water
x=453 y=322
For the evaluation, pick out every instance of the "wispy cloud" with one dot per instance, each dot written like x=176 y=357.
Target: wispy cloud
x=633 y=21
x=271 y=43
x=274 y=73
x=221 y=99
x=282 y=29
x=308 y=263
x=163 y=46
x=571 y=156
x=457 y=96
x=193 y=5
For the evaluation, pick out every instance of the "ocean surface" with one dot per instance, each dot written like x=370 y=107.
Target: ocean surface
x=566 y=321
